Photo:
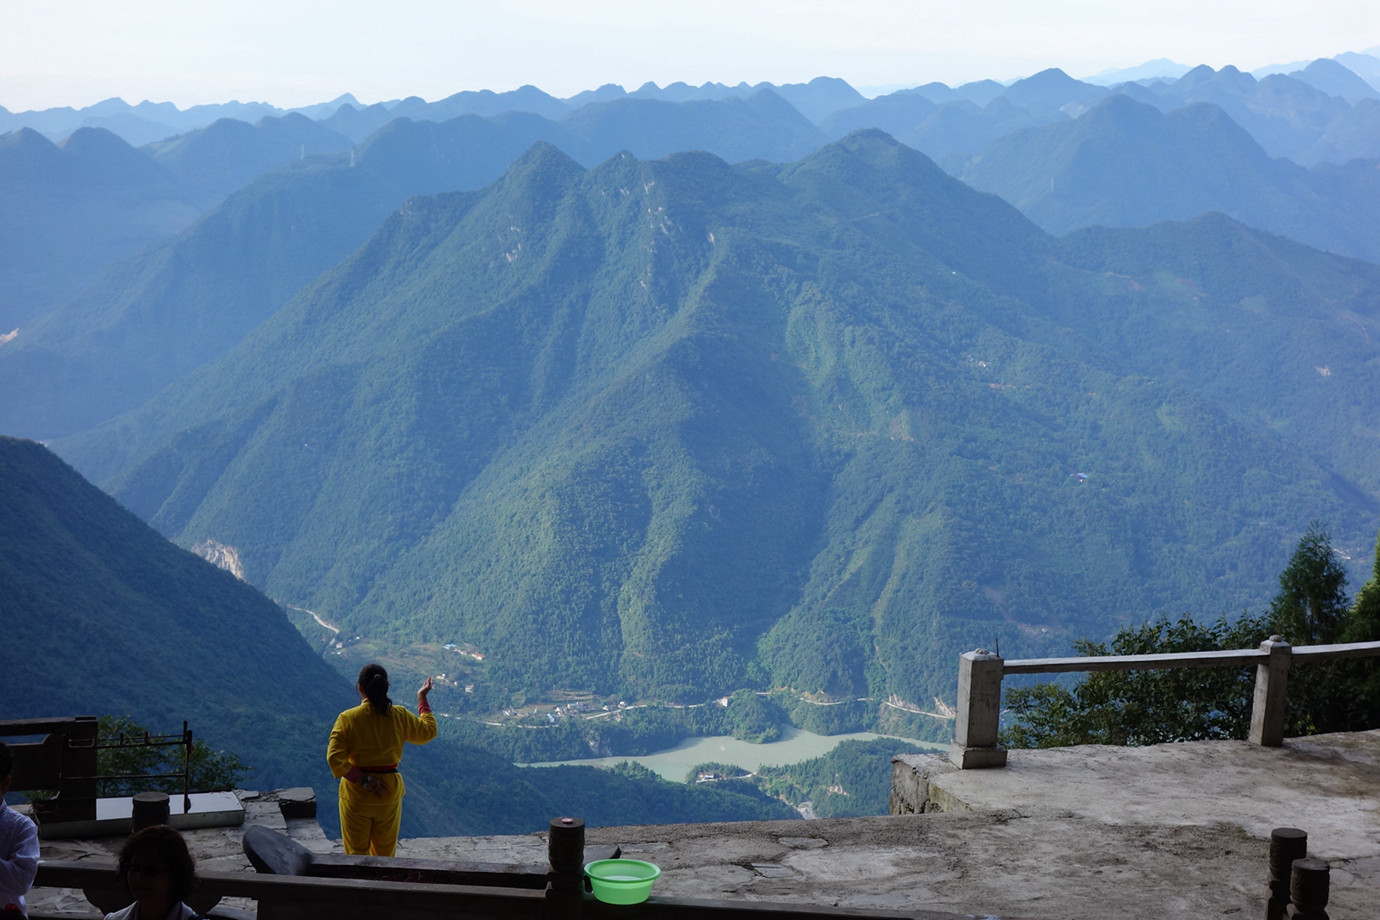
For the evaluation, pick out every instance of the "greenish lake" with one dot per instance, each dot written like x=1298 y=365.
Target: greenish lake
x=795 y=745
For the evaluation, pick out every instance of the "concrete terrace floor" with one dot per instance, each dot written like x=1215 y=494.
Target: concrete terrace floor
x=1177 y=830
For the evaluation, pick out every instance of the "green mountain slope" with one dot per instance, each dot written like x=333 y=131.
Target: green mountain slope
x=101 y=615
x=671 y=428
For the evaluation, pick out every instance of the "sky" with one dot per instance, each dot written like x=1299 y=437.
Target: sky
x=299 y=52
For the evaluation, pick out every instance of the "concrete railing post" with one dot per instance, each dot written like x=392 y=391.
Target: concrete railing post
x=1271 y=693
x=979 y=710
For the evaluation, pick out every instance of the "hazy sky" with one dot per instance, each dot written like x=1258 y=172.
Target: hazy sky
x=296 y=52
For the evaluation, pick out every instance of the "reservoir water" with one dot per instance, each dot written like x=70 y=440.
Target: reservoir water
x=795 y=745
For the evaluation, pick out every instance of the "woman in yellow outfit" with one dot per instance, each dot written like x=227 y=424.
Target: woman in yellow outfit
x=366 y=745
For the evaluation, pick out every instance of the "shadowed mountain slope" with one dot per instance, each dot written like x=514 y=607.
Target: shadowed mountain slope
x=102 y=616
x=671 y=428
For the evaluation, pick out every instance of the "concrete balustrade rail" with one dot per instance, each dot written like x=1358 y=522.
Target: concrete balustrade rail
x=980 y=676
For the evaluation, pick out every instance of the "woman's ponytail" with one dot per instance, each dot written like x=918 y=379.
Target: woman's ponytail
x=373 y=683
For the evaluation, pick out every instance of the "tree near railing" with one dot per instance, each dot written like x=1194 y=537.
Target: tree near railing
x=1132 y=707
x=980 y=676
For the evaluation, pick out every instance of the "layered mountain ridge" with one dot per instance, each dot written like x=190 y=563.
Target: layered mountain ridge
x=671 y=428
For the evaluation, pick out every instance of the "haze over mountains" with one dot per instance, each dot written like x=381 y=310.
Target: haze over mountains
x=672 y=393
x=698 y=369
x=1324 y=113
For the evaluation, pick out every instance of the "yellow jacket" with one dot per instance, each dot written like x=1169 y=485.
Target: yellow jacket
x=363 y=738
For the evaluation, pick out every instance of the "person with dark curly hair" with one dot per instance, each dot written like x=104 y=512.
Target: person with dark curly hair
x=18 y=847
x=365 y=747
x=157 y=869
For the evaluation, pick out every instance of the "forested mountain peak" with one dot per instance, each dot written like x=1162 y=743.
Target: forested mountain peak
x=644 y=428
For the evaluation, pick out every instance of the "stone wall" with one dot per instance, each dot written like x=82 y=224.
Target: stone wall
x=913 y=793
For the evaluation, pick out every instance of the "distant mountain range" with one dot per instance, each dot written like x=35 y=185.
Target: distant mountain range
x=1324 y=115
x=1119 y=163
x=67 y=211
x=1128 y=164
x=1352 y=77
x=669 y=428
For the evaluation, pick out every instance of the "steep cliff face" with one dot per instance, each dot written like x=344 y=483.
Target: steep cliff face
x=221 y=555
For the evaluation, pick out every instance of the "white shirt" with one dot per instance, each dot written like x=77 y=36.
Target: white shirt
x=18 y=857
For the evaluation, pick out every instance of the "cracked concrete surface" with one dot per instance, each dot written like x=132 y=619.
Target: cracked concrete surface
x=1082 y=833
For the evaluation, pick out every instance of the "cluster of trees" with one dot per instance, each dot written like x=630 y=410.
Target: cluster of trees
x=126 y=760
x=1187 y=704
x=129 y=764
x=852 y=780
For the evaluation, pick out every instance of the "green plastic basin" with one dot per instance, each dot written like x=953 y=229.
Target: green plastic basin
x=622 y=881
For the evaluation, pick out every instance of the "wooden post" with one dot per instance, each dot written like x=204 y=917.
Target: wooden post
x=565 y=849
x=979 y=711
x=1309 y=887
x=1286 y=845
x=1271 y=693
x=565 y=852
x=148 y=809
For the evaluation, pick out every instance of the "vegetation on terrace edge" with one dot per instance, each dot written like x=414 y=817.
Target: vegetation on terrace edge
x=1188 y=704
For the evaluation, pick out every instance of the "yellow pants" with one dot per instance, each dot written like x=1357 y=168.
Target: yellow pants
x=369 y=822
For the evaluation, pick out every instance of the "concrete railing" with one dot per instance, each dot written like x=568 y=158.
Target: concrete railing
x=980 y=674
